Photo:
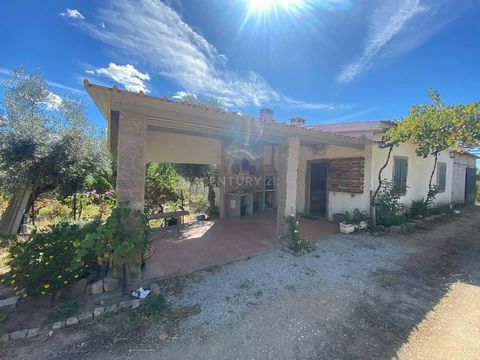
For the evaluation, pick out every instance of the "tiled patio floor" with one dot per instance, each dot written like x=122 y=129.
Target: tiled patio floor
x=208 y=243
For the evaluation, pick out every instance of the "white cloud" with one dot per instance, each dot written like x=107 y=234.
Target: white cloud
x=73 y=13
x=151 y=30
x=53 y=101
x=387 y=21
x=181 y=95
x=127 y=75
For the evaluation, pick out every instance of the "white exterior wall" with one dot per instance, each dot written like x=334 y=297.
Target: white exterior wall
x=460 y=164
x=182 y=149
x=337 y=201
x=419 y=170
x=418 y=175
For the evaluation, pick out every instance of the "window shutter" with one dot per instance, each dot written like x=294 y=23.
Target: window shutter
x=442 y=176
x=400 y=175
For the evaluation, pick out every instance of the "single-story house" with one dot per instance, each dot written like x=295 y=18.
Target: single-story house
x=314 y=171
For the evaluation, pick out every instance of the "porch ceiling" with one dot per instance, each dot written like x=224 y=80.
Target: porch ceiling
x=169 y=116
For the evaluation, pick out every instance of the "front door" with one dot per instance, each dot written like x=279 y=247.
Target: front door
x=318 y=190
x=470 y=186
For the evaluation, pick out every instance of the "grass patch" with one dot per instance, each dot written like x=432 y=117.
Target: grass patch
x=4 y=244
x=64 y=310
x=132 y=324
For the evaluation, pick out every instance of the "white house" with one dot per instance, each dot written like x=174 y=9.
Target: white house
x=295 y=169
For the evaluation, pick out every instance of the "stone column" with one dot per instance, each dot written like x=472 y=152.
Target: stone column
x=131 y=158
x=223 y=208
x=131 y=155
x=287 y=182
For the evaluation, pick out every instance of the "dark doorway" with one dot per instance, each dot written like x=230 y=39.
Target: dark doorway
x=470 y=186
x=318 y=190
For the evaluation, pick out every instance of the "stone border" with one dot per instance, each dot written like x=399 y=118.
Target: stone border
x=412 y=224
x=76 y=320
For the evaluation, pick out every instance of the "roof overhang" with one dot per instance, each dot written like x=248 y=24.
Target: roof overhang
x=170 y=116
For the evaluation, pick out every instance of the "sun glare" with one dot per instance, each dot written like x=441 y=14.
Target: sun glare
x=264 y=6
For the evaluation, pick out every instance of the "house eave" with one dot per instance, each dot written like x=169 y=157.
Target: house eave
x=173 y=116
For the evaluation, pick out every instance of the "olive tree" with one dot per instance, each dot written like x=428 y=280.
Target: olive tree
x=44 y=147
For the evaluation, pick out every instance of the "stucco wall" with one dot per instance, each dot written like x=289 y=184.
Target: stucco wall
x=182 y=149
x=337 y=201
x=460 y=163
x=419 y=170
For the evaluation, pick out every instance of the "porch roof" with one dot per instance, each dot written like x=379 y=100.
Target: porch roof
x=177 y=117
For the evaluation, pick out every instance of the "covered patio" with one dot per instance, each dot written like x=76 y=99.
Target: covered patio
x=262 y=173
x=203 y=244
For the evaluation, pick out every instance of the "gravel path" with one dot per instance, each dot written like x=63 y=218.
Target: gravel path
x=354 y=297
x=225 y=294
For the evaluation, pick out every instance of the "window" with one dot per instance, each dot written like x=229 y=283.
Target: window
x=400 y=170
x=441 y=176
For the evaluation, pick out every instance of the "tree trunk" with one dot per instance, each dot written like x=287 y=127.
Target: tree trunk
x=33 y=212
x=74 y=206
x=13 y=215
x=211 y=194
x=373 y=214
x=431 y=191
x=124 y=279
x=211 y=198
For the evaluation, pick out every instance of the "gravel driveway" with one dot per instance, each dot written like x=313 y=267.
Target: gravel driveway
x=354 y=297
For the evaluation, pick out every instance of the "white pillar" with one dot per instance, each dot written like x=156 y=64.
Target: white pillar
x=287 y=182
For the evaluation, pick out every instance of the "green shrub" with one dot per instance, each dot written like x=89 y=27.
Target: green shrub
x=298 y=243
x=389 y=211
x=356 y=217
x=419 y=208
x=64 y=310
x=199 y=204
x=45 y=263
x=120 y=241
x=439 y=209
x=45 y=212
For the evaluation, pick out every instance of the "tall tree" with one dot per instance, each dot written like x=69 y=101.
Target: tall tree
x=161 y=185
x=42 y=146
x=438 y=127
x=209 y=174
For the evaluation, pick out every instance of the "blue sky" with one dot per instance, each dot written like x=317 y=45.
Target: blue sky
x=323 y=60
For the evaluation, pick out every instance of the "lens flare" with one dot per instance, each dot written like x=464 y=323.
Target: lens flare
x=263 y=6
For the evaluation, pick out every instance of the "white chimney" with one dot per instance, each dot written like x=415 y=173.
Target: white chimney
x=266 y=115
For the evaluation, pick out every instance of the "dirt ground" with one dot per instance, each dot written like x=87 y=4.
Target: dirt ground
x=421 y=302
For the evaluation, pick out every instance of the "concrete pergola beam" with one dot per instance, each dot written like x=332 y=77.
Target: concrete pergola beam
x=170 y=116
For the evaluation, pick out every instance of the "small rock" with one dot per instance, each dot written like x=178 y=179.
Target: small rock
x=78 y=288
x=50 y=333
x=72 y=321
x=86 y=316
x=97 y=287
x=5 y=337
x=135 y=304
x=163 y=336
x=124 y=304
x=155 y=289
x=111 y=308
x=33 y=332
x=9 y=305
x=111 y=284
x=98 y=311
x=20 y=334
x=58 y=325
